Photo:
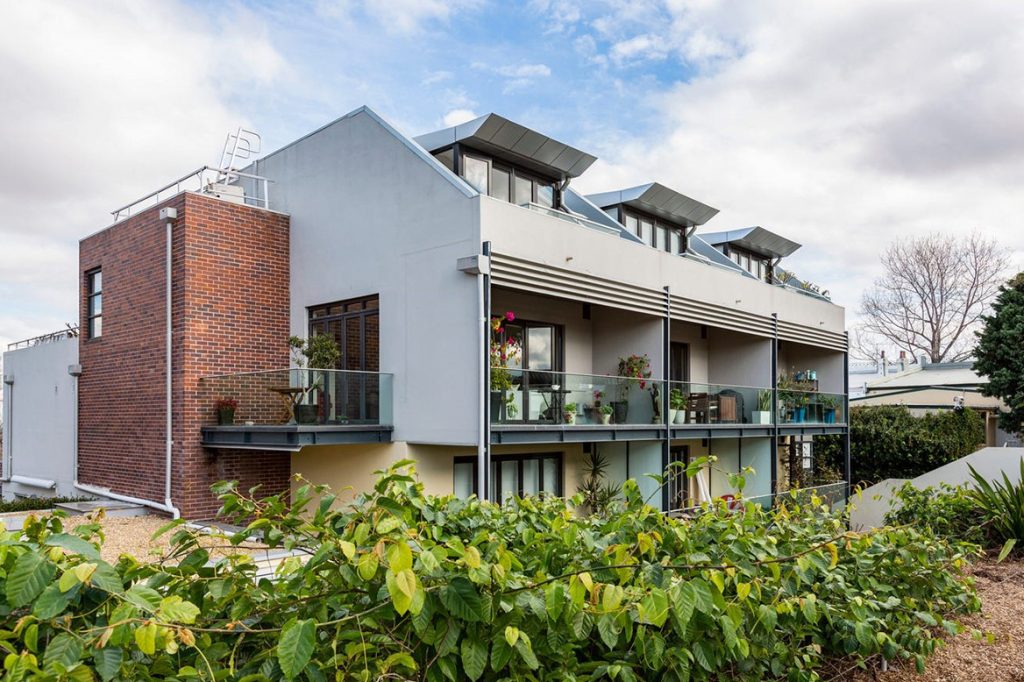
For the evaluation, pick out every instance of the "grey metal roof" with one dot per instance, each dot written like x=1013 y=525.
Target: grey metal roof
x=659 y=200
x=505 y=139
x=756 y=239
x=705 y=250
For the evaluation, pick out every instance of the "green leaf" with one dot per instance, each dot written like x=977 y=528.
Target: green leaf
x=472 y=557
x=51 y=603
x=1007 y=548
x=146 y=598
x=73 y=544
x=107 y=579
x=653 y=608
x=28 y=578
x=462 y=600
x=400 y=598
x=387 y=524
x=348 y=549
x=609 y=630
x=684 y=601
x=176 y=610
x=145 y=638
x=554 y=600
x=295 y=646
x=367 y=567
x=474 y=657
x=809 y=607
x=401 y=658
x=64 y=649
x=511 y=635
x=525 y=649
x=107 y=662
x=399 y=557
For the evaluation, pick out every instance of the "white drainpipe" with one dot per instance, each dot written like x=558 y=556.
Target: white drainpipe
x=168 y=215
x=9 y=423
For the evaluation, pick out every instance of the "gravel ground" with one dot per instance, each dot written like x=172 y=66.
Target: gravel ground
x=134 y=535
x=1001 y=588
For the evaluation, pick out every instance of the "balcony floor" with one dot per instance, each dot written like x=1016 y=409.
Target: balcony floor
x=590 y=433
x=292 y=437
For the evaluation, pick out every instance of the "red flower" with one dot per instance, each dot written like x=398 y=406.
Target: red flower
x=510 y=316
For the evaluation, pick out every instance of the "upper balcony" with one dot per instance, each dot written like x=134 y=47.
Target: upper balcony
x=292 y=408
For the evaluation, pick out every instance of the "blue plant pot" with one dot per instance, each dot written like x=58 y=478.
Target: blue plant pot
x=800 y=415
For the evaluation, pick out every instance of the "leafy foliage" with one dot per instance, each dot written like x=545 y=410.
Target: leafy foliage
x=950 y=512
x=887 y=441
x=1002 y=502
x=998 y=353
x=408 y=586
x=36 y=503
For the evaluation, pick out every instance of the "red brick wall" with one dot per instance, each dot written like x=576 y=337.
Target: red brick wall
x=230 y=314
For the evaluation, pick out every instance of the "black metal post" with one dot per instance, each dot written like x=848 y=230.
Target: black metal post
x=666 y=354
x=486 y=250
x=775 y=404
x=847 y=464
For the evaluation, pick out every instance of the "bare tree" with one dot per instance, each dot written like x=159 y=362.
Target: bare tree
x=933 y=293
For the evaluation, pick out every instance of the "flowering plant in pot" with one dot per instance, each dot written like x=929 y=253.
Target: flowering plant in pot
x=605 y=411
x=676 y=406
x=505 y=349
x=636 y=369
x=226 y=411
x=569 y=413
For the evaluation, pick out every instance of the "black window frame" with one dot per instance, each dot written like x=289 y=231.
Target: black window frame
x=495 y=484
x=657 y=224
x=366 y=384
x=526 y=373
x=92 y=294
x=514 y=172
x=729 y=251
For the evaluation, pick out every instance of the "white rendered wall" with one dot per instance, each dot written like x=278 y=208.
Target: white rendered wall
x=370 y=215
x=39 y=418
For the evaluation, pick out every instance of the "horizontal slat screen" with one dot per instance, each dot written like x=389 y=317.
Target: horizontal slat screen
x=524 y=275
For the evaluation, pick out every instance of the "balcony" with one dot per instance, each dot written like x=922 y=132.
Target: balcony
x=541 y=406
x=292 y=408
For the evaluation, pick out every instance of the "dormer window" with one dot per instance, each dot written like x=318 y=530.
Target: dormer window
x=757 y=265
x=660 y=234
x=506 y=181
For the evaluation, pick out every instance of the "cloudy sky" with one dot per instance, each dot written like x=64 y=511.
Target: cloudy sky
x=843 y=125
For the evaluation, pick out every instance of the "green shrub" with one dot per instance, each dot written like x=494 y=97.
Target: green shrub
x=1002 y=503
x=887 y=441
x=947 y=511
x=408 y=586
x=36 y=503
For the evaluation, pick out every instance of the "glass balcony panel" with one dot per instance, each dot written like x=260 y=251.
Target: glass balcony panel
x=696 y=403
x=811 y=407
x=301 y=396
x=543 y=397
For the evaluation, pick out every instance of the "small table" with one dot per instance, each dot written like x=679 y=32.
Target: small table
x=290 y=397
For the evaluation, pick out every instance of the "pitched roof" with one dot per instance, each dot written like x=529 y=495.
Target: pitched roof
x=658 y=200
x=756 y=239
x=506 y=139
x=938 y=374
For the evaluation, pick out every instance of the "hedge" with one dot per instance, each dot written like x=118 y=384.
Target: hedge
x=407 y=586
x=887 y=441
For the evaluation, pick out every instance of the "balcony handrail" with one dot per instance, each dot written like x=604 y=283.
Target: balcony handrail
x=615 y=376
x=568 y=217
x=226 y=173
x=295 y=369
x=70 y=332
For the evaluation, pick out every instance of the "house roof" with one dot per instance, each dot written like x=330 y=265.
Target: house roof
x=658 y=200
x=756 y=239
x=506 y=139
x=921 y=376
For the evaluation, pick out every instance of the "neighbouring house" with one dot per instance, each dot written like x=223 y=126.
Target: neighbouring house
x=930 y=387
x=496 y=326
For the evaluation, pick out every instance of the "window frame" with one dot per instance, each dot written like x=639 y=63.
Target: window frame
x=92 y=294
x=754 y=263
x=515 y=173
x=658 y=227
x=520 y=458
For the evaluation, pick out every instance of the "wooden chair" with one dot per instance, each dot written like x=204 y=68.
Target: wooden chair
x=698 y=408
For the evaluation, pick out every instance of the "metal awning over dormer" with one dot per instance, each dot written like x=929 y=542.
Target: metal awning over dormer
x=513 y=142
x=756 y=239
x=658 y=200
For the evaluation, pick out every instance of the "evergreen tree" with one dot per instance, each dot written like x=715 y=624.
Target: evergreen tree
x=999 y=355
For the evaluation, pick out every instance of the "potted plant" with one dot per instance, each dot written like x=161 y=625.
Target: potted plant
x=676 y=406
x=504 y=349
x=570 y=413
x=763 y=413
x=318 y=352
x=634 y=369
x=594 y=411
x=226 y=411
x=794 y=396
x=605 y=412
x=829 y=404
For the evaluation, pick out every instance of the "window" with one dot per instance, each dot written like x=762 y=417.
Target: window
x=354 y=325
x=94 y=303
x=506 y=182
x=475 y=170
x=662 y=235
x=753 y=263
x=512 y=475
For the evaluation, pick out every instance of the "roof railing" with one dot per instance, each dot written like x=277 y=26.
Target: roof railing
x=568 y=217
x=203 y=179
x=70 y=332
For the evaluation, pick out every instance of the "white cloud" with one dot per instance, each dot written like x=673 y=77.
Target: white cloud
x=395 y=16
x=842 y=126
x=524 y=71
x=456 y=116
x=104 y=102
